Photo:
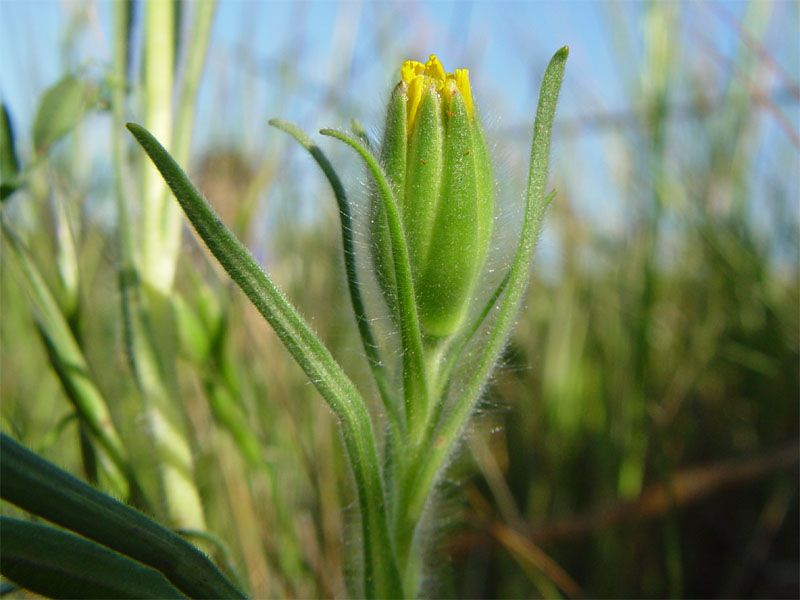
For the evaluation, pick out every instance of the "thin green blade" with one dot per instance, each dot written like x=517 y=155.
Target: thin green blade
x=59 y=564
x=43 y=489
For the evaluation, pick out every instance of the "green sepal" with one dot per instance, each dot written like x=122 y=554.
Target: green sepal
x=423 y=179
x=484 y=175
x=393 y=160
x=446 y=283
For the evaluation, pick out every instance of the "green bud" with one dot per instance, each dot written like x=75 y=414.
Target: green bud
x=437 y=163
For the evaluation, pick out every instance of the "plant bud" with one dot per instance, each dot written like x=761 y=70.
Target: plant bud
x=437 y=163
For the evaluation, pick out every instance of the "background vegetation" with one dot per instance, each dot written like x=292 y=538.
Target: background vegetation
x=641 y=438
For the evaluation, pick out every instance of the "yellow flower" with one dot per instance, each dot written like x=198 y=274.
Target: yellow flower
x=419 y=77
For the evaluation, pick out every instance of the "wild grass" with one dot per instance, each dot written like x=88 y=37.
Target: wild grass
x=640 y=438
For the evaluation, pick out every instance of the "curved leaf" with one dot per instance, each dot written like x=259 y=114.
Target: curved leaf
x=371 y=348
x=415 y=387
x=9 y=165
x=58 y=564
x=43 y=489
x=381 y=577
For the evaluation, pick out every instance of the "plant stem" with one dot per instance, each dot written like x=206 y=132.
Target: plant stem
x=421 y=477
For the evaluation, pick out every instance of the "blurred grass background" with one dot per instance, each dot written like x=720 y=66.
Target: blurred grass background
x=640 y=439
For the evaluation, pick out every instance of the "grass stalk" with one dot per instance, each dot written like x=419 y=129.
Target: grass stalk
x=160 y=226
x=70 y=365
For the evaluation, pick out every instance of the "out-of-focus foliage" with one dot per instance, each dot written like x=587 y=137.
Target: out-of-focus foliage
x=641 y=439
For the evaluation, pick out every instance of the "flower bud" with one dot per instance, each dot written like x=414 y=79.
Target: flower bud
x=437 y=163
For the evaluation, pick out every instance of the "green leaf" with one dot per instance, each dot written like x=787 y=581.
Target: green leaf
x=9 y=165
x=415 y=388
x=61 y=109
x=54 y=563
x=381 y=577
x=43 y=489
x=371 y=348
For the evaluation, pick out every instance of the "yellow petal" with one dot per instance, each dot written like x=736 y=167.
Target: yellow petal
x=435 y=71
x=462 y=83
x=415 y=89
x=419 y=77
x=410 y=69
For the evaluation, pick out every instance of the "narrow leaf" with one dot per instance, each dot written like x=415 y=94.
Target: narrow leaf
x=307 y=349
x=54 y=563
x=362 y=321
x=381 y=577
x=415 y=387
x=43 y=489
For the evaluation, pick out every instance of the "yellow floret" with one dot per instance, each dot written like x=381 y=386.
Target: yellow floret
x=415 y=88
x=419 y=77
x=410 y=69
x=435 y=70
x=462 y=83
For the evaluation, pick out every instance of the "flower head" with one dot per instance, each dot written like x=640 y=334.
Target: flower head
x=435 y=157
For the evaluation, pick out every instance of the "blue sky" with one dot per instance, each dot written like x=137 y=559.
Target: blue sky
x=285 y=59
x=505 y=44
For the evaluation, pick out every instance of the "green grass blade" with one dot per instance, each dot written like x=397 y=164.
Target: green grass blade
x=54 y=563
x=43 y=489
x=415 y=387
x=362 y=321
x=443 y=440
x=381 y=577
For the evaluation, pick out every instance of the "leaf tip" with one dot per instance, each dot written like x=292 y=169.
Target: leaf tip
x=135 y=129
